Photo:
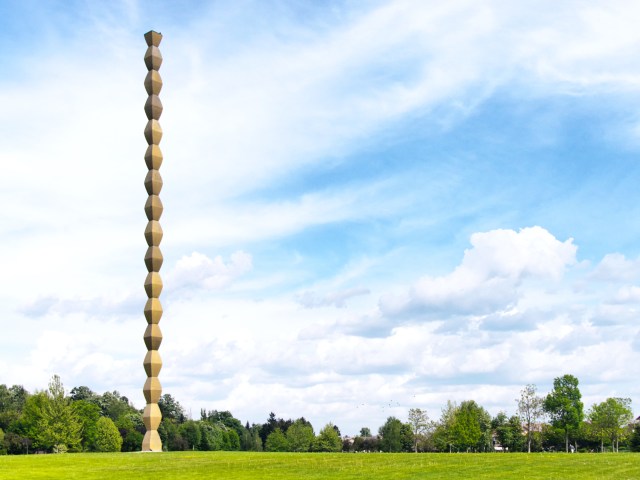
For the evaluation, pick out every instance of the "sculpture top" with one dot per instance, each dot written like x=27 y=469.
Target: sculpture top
x=153 y=38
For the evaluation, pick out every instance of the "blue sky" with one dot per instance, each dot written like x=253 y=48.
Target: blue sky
x=369 y=206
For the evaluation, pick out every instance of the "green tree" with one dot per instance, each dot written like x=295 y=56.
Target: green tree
x=277 y=442
x=609 y=419
x=471 y=429
x=419 y=422
x=250 y=439
x=564 y=406
x=88 y=415
x=12 y=402
x=3 y=450
x=327 y=440
x=508 y=431
x=190 y=431
x=131 y=428
x=443 y=434
x=231 y=439
x=108 y=437
x=113 y=405
x=271 y=425
x=300 y=436
x=391 y=435
x=634 y=441
x=365 y=432
x=530 y=410
x=83 y=393
x=51 y=421
x=212 y=437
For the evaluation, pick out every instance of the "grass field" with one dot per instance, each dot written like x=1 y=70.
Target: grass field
x=284 y=466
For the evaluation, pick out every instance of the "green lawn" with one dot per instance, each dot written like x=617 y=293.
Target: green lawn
x=283 y=466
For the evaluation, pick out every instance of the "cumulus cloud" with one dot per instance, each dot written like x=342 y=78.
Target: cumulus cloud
x=338 y=298
x=617 y=267
x=199 y=271
x=489 y=275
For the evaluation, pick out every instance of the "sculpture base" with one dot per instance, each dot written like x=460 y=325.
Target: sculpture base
x=151 y=442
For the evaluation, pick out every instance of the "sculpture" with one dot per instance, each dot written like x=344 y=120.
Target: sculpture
x=153 y=234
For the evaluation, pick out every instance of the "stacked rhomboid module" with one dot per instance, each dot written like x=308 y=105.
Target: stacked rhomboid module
x=153 y=234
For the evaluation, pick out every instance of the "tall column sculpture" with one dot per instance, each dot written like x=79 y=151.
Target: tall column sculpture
x=153 y=234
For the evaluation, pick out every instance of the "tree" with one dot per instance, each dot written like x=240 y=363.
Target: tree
x=131 y=428
x=83 y=393
x=609 y=418
x=223 y=418
x=419 y=422
x=51 y=421
x=300 y=436
x=113 y=405
x=108 y=437
x=190 y=431
x=271 y=425
x=443 y=434
x=250 y=439
x=634 y=441
x=508 y=431
x=88 y=415
x=12 y=402
x=365 y=432
x=212 y=437
x=391 y=433
x=471 y=429
x=564 y=406
x=171 y=409
x=277 y=442
x=327 y=440
x=530 y=410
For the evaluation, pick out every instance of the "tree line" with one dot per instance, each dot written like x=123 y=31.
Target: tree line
x=85 y=421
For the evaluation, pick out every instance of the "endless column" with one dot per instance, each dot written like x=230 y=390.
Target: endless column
x=153 y=234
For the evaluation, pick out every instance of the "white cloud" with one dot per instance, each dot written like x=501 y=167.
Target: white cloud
x=199 y=271
x=310 y=299
x=616 y=267
x=488 y=278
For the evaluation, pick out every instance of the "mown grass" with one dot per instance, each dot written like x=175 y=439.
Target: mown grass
x=285 y=466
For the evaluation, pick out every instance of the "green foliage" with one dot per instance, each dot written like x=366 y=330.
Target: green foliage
x=300 y=436
x=271 y=425
x=190 y=431
x=327 y=440
x=51 y=421
x=232 y=440
x=508 y=431
x=88 y=415
x=443 y=434
x=211 y=437
x=530 y=409
x=277 y=442
x=250 y=439
x=634 y=440
x=84 y=393
x=564 y=405
x=609 y=419
x=114 y=405
x=391 y=435
x=108 y=437
x=471 y=427
x=419 y=422
x=12 y=402
x=171 y=409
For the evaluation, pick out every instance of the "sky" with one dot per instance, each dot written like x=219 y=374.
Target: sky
x=370 y=206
